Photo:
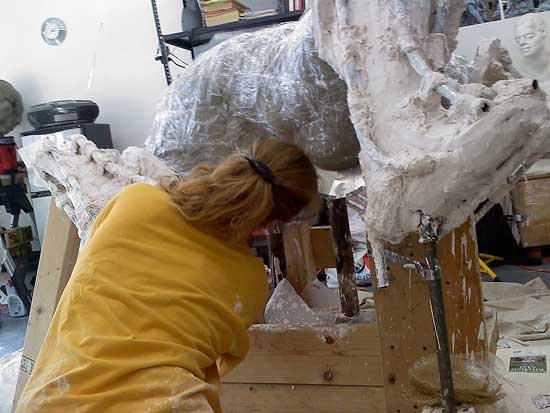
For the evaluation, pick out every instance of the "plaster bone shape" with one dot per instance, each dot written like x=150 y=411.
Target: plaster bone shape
x=416 y=154
x=83 y=178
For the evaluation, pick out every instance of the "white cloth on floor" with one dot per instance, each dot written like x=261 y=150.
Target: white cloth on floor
x=523 y=309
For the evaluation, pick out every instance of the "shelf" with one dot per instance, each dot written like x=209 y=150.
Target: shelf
x=199 y=36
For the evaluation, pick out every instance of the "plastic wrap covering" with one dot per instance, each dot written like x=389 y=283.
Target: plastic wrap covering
x=83 y=178
x=9 y=370
x=266 y=83
x=477 y=379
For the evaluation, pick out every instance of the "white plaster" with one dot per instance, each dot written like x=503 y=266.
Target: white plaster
x=415 y=154
x=83 y=178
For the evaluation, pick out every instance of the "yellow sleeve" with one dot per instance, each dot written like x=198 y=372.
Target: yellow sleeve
x=226 y=363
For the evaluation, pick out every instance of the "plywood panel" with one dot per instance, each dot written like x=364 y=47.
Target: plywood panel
x=289 y=398
x=462 y=294
x=331 y=355
x=404 y=315
x=323 y=249
x=300 y=264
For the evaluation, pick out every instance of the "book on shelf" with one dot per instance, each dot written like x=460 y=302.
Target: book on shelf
x=260 y=13
x=221 y=17
x=216 y=12
x=294 y=5
x=208 y=6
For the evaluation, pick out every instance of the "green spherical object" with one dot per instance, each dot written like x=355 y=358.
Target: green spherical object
x=11 y=107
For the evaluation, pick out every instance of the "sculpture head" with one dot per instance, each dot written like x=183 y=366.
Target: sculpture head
x=530 y=34
x=11 y=107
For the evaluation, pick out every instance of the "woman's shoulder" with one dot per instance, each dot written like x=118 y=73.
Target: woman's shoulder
x=142 y=195
x=140 y=199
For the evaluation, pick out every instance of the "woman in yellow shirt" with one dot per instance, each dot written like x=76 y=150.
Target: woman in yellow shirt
x=163 y=292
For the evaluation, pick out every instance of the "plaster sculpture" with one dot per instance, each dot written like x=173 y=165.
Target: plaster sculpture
x=437 y=135
x=11 y=107
x=428 y=143
x=83 y=178
x=531 y=36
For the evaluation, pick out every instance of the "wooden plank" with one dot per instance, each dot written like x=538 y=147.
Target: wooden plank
x=57 y=259
x=491 y=331
x=332 y=355
x=300 y=264
x=341 y=237
x=463 y=296
x=404 y=314
x=290 y=398
x=531 y=198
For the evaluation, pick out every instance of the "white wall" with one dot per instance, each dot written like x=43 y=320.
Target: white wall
x=113 y=39
x=469 y=37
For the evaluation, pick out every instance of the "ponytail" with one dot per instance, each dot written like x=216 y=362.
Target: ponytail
x=237 y=197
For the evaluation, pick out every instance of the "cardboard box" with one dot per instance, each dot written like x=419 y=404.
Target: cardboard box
x=532 y=198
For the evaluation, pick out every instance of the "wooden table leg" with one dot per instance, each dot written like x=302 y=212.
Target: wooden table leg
x=347 y=285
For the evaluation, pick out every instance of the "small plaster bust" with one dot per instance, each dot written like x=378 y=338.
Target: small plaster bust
x=11 y=107
x=531 y=36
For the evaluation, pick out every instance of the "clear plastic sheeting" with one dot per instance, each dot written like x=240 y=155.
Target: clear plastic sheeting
x=266 y=83
x=9 y=371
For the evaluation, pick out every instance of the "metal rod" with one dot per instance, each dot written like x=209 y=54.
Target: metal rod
x=420 y=66
x=164 y=58
x=428 y=231
x=341 y=238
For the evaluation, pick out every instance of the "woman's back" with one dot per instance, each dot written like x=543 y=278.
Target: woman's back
x=151 y=303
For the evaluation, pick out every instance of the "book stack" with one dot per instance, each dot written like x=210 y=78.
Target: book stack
x=256 y=14
x=216 y=12
x=294 y=5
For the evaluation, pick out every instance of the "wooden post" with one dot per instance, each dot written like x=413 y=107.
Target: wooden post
x=404 y=314
x=57 y=259
x=300 y=263
x=341 y=237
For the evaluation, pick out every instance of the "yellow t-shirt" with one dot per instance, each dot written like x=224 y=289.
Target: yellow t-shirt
x=152 y=305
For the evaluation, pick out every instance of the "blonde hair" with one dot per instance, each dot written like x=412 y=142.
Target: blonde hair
x=233 y=199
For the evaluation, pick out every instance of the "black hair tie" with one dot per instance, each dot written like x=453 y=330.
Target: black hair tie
x=263 y=170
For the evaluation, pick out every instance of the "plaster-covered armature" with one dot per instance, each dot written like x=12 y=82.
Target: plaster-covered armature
x=437 y=135
x=83 y=178
x=428 y=143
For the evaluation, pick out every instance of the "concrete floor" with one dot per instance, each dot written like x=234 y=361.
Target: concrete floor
x=12 y=330
x=516 y=274
x=12 y=333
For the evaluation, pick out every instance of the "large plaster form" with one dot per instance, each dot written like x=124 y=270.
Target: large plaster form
x=416 y=155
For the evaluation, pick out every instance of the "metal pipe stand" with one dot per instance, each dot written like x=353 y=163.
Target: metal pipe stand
x=428 y=237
